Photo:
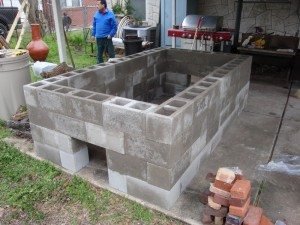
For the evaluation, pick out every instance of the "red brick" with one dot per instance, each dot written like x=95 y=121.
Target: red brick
x=265 y=221
x=222 y=185
x=203 y=197
x=221 y=200
x=218 y=191
x=240 y=211
x=226 y=175
x=253 y=216
x=238 y=202
x=212 y=204
x=240 y=189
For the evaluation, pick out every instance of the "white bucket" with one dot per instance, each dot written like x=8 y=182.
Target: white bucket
x=14 y=73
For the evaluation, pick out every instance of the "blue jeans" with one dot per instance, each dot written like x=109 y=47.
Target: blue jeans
x=105 y=45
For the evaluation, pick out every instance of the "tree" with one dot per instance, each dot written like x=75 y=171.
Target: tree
x=32 y=15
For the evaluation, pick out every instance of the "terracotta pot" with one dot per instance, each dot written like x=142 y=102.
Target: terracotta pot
x=38 y=49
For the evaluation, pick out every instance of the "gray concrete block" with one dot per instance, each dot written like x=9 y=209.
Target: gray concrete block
x=47 y=152
x=70 y=126
x=74 y=161
x=51 y=100
x=151 y=193
x=139 y=76
x=177 y=78
x=97 y=135
x=30 y=95
x=159 y=176
x=120 y=163
x=127 y=119
x=198 y=146
x=117 y=180
x=86 y=108
x=150 y=151
x=84 y=79
x=41 y=117
x=37 y=133
x=213 y=121
x=136 y=62
x=166 y=123
x=68 y=144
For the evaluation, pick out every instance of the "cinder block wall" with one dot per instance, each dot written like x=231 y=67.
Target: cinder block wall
x=153 y=151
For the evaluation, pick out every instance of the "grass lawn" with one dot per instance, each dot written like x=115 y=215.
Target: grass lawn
x=35 y=192
x=81 y=54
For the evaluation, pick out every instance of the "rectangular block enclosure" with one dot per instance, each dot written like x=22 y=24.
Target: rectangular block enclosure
x=157 y=114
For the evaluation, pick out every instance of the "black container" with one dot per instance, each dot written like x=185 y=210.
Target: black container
x=132 y=46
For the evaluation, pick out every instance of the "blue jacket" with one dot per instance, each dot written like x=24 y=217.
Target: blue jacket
x=104 y=24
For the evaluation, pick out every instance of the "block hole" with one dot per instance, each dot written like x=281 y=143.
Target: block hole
x=218 y=75
x=82 y=94
x=51 y=87
x=64 y=90
x=38 y=84
x=98 y=97
x=67 y=74
x=165 y=111
x=188 y=96
x=212 y=80
x=140 y=106
x=177 y=103
x=196 y=90
x=204 y=84
x=51 y=80
x=120 y=102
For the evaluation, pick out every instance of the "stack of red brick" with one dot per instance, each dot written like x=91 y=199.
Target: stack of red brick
x=228 y=201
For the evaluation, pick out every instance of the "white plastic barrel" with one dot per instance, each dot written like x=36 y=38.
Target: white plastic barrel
x=14 y=73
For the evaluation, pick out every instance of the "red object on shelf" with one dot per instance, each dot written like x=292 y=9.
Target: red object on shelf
x=216 y=35
x=38 y=49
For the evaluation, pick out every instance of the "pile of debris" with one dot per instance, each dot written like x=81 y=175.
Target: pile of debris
x=228 y=200
x=19 y=123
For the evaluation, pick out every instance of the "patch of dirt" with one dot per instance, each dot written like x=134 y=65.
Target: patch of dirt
x=24 y=145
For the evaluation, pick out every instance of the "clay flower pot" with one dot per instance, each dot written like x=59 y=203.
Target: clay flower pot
x=38 y=49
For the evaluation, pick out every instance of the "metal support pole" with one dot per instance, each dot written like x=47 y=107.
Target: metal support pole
x=238 y=23
x=59 y=29
x=173 y=21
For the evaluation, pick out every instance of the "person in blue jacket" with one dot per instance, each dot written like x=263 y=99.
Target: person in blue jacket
x=104 y=28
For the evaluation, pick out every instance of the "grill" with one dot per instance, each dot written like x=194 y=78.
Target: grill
x=208 y=33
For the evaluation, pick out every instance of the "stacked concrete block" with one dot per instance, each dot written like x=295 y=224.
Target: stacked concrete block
x=153 y=151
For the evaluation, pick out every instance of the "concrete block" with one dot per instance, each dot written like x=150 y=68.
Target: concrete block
x=76 y=161
x=41 y=117
x=69 y=126
x=116 y=116
x=136 y=62
x=177 y=78
x=166 y=123
x=120 y=163
x=172 y=89
x=213 y=121
x=86 y=108
x=198 y=146
x=139 y=76
x=105 y=74
x=117 y=180
x=150 y=151
x=97 y=135
x=37 y=133
x=68 y=144
x=30 y=95
x=84 y=79
x=151 y=193
x=47 y=152
x=159 y=176
x=51 y=100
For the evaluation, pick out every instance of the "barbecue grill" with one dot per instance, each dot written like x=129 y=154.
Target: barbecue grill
x=209 y=32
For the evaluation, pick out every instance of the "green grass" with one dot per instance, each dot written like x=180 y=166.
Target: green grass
x=31 y=189
x=80 y=51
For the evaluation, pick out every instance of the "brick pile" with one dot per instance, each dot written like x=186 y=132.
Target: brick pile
x=228 y=200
